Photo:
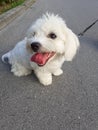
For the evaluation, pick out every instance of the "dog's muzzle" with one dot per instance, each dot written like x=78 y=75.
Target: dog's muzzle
x=35 y=46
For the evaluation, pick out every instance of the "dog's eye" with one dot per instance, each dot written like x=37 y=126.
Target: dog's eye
x=52 y=35
x=34 y=33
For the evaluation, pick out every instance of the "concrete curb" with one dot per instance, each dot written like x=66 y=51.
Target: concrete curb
x=10 y=15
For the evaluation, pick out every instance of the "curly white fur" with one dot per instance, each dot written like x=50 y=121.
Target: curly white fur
x=65 y=45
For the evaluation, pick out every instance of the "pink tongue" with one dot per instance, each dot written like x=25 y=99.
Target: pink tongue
x=41 y=58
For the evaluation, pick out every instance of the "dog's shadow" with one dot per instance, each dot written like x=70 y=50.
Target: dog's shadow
x=89 y=42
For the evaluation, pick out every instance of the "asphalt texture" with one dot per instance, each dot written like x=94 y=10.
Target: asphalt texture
x=71 y=102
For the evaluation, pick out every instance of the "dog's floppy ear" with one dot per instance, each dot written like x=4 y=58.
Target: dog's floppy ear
x=71 y=44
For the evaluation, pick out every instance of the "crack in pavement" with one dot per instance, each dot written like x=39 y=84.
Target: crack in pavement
x=87 y=28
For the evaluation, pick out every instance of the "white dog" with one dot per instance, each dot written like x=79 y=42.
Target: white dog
x=49 y=42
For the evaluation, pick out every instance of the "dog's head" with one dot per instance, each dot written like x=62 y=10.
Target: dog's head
x=48 y=37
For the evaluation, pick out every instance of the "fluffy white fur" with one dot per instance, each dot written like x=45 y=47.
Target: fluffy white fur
x=65 y=45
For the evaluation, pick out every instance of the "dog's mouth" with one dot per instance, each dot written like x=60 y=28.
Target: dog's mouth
x=42 y=58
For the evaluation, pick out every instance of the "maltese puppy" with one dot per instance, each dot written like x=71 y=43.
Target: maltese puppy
x=48 y=43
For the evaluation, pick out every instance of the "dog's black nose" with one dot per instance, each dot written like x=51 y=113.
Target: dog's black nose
x=35 y=46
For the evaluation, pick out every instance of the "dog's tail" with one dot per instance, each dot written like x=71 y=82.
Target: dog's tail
x=6 y=57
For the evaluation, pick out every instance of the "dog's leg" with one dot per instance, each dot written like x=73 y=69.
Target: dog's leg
x=44 y=77
x=58 y=72
x=19 y=70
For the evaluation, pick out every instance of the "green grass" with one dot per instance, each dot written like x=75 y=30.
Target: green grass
x=5 y=5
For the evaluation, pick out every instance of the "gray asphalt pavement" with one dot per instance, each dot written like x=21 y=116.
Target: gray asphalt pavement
x=71 y=102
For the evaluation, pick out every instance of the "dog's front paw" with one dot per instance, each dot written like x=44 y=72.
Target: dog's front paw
x=44 y=78
x=58 y=72
x=46 y=81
